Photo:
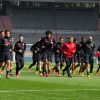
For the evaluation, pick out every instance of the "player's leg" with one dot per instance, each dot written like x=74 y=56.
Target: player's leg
x=49 y=57
x=7 y=59
x=40 y=67
x=49 y=65
x=45 y=67
x=88 y=64
x=45 y=64
x=17 y=67
x=54 y=69
x=8 y=68
x=80 y=64
x=97 y=71
x=68 y=65
x=21 y=64
x=91 y=64
x=74 y=64
x=34 y=59
x=58 y=68
x=33 y=64
x=2 y=63
x=11 y=64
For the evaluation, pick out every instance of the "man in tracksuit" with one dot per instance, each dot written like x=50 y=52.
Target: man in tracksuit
x=82 y=56
x=34 y=55
x=89 y=54
x=37 y=57
x=19 y=48
x=6 y=49
x=69 y=49
x=59 y=57
x=47 y=43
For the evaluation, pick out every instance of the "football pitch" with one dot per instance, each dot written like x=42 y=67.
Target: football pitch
x=34 y=87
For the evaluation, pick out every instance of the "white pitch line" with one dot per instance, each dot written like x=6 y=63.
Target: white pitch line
x=65 y=90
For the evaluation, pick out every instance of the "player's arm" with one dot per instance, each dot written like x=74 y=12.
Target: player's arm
x=24 y=46
x=64 y=49
x=15 y=47
x=74 y=49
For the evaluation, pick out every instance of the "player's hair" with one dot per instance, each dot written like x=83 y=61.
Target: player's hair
x=48 y=32
x=21 y=35
x=60 y=38
x=7 y=31
x=75 y=39
x=2 y=31
x=82 y=37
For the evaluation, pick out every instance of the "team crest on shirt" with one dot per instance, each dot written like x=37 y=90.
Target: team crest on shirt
x=18 y=44
x=72 y=45
x=51 y=40
x=46 y=40
x=6 y=40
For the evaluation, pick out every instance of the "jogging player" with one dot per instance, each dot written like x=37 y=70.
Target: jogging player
x=6 y=49
x=69 y=49
x=98 y=55
x=19 y=48
x=48 y=43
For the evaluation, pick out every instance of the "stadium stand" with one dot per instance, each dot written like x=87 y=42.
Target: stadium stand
x=5 y=23
x=99 y=24
x=54 y=19
x=34 y=20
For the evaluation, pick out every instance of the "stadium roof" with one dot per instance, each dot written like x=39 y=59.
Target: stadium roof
x=81 y=1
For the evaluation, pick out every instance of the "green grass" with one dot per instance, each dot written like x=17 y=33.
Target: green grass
x=34 y=87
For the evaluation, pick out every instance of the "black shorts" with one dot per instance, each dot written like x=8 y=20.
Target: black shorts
x=1 y=57
x=6 y=56
x=58 y=59
x=19 y=57
x=39 y=57
x=48 y=55
x=88 y=58
x=34 y=57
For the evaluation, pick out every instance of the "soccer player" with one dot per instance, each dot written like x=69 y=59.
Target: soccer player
x=34 y=56
x=98 y=55
x=79 y=55
x=58 y=55
x=82 y=55
x=19 y=48
x=48 y=43
x=6 y=49
x=69 y=49
x=11 y=54
x=89 y=53
x=76 y=62
x=37 y=57
x=2 y=35
x=2 y=64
